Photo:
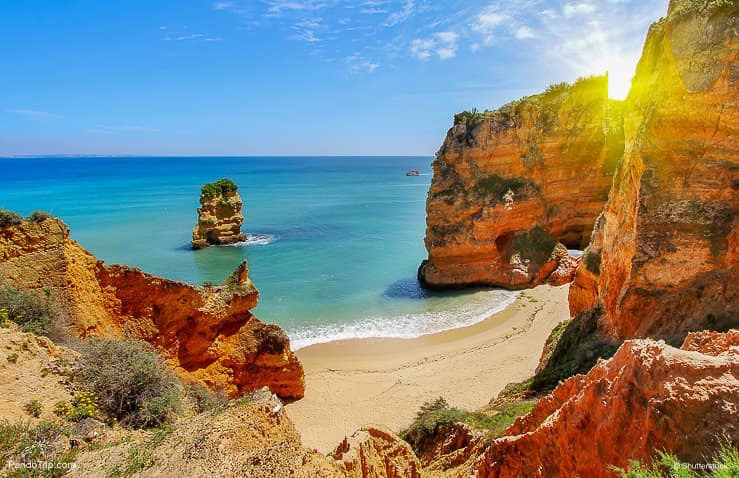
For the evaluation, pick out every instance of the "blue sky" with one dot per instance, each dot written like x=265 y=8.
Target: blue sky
x=263 y=77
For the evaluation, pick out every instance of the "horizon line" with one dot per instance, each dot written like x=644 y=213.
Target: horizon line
x=31 y=156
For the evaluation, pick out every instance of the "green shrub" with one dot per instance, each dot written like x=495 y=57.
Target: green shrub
x=470 y=119
x=432 y=417
x=132 y=383
x=592 y=261
x=436 y=415
x=205 y=399
x=535 y=245
x=84 y=405
x=38 y=216
x=9 y=218
x=572 y=348
x=33 y=311
x=22 y=444
x=218 y=188
x=726 y=465
x=700 y=7
x=497 y=187
x=33 y=408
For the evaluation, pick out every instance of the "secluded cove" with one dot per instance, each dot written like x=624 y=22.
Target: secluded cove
x=333 y=243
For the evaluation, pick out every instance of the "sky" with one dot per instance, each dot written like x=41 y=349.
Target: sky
x=290 y=77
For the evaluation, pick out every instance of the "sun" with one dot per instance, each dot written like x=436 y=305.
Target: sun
x=620 y=72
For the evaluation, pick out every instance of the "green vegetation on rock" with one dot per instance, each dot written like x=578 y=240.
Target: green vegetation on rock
x=535 y=245
x=20 y=443
x=436 y=415
x=218 y=188
x=131 y=382
x=9 y=218
x=573 y=347
x=32 y=311
x=592 y=260
x=38 y=216
x=497 y=187
x=725 y=464
x=205 y=399
x=700 y=7
x=584 y=91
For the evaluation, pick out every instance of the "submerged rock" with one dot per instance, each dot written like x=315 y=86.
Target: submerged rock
x=219 y=216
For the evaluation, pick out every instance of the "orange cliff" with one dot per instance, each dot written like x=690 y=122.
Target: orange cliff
x=647 y=397
x=510 y=185
x=205 y=333
x=663 y=258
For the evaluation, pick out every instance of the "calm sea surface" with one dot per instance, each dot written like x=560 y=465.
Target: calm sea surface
x=333 y=242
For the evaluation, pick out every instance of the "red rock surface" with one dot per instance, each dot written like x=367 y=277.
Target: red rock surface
x=376 y=452
x=205 y=333
x=648 y=397
x=667 y=242
x=554 y=155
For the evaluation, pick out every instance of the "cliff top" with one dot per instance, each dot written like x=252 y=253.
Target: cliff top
x=681 y=7
x=584 y=90
x=219 y=188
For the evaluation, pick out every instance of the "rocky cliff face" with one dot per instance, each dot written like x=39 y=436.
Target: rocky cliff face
x=510 y=185
x=663 y=259
x=648 y=397
x=219 y=215
x=205 y=333
x=376 y=452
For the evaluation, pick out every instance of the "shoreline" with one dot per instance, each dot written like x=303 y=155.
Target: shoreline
x=354 y=382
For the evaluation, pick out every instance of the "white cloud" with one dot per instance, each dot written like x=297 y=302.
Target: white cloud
x=401 y=15
x=372 y=11
x=306 y=35
x=442 y=44
x=172 y=36
x=421 y=48
x=488 y=21
x=357 y=62
x=524 y=33
x=224 y=5
x=582 y=8
x=35 y=114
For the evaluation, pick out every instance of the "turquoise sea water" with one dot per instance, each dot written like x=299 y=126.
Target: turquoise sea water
x=333 y=242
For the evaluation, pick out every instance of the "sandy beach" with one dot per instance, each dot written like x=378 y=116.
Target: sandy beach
x=356 y=382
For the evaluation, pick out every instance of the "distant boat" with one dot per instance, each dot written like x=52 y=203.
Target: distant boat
x=413 y=172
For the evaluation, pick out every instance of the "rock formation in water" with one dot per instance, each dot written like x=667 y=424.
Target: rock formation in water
x=663 y=258
x=219 y=215
x=206 y=334
x=513 y=188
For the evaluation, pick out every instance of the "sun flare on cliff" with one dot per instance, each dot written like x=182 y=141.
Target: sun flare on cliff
x=620 y=72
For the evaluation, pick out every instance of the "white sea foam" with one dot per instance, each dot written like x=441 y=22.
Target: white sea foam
x=407 y=326
x=256 y=240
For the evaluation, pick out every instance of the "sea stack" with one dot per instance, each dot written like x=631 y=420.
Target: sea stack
x=219 y=215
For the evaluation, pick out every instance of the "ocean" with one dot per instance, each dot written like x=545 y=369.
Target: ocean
x=333 y=243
